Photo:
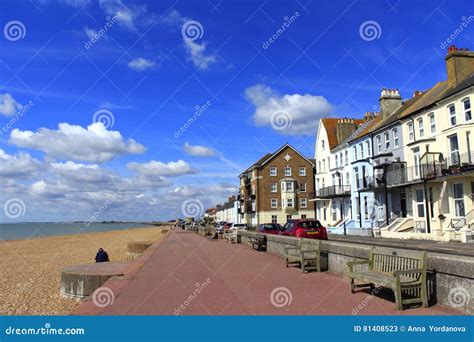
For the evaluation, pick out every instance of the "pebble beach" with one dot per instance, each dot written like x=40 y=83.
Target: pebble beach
x=31 y=269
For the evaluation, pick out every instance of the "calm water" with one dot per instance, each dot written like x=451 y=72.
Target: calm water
x=15 y=231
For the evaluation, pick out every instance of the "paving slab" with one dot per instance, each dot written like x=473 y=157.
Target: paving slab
x=188 y=274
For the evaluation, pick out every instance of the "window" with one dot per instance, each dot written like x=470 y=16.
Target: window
x=319 y=166
x=254 y=206
x=303 y=187
x=303 y=202
x=396 y=140
x=288 y=171
x=286 y=186
x=467 y=109
x=387 y=140
x=274 y=187
x=367 y=143
x=361 y=148
x=454 y=150
x=420 y=202
x=356 y=178
x=421 y=128
x=379 y=143
x=366 y=208
x=416 y=160
x=355 y=153
x=273 y=171
x=302 y=171
x=411 y=133
x=431 y=200
x=458 y=198
x=303 y=217
x=346 y=157
x=432 y=123
x=337 y=160
x=274 y=219
x=329 y=163
x=274 y=203
x=323 y=144
x=288 y=217
x=452 y=115
x=289 y=202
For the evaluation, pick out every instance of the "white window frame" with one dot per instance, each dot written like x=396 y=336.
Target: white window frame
x=421 y=127
x=361 y=148
x=467 y=111
x=456 y=200
x=386 y=137
x=452 y=115
x=396 y=139
x=303 y=203
x=369 y=152
x=378 y=139
x=431 y=116
x=274 y=203
x=273 y=171
x=288 y=201
x=355 y=152
x=289 y=186
x=303 y=187
x=287 y=170
x=302 y=171
x=346 y=157
x=411 y=132
x=274 y=187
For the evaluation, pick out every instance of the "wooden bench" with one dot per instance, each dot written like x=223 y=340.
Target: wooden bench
x=307 y=255
x=398 y=270
x=259 y=242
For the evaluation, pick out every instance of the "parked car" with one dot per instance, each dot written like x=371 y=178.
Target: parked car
x=269 y=228
x=307 y=228
x=239 y=226
x=224 y=226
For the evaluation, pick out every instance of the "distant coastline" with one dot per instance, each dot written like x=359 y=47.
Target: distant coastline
x=30 y=230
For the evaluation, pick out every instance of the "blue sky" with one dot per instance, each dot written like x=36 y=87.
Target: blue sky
x=147 y=74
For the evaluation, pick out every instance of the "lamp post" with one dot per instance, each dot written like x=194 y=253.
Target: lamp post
x=341 y=182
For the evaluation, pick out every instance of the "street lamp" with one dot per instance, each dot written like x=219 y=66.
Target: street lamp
x=341 y=181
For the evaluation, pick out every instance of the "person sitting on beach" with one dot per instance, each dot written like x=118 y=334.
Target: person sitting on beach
x=101 y=256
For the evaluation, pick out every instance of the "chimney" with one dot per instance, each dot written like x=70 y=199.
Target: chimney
x=417 y=93
x=459 y=64
x=369 y=116
x=390 y=100
x=344 y=128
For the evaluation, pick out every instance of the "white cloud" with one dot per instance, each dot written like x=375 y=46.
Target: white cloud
x=128 y=16
x=197 y=54
x=141 y=64
x=199 y=151
x=155 y=168
x=92 y=144
x=20 y=165
x=8 y=105
x=291 y=114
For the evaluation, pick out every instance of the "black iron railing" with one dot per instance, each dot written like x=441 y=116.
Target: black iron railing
x=333 y=191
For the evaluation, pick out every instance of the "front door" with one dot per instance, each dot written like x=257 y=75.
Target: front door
x=403 y=204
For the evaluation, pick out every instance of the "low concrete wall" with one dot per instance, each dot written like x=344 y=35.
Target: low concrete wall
x=450 y=278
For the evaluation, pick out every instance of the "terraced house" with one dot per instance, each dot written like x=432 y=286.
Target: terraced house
x=412 y=165
x=277 y=188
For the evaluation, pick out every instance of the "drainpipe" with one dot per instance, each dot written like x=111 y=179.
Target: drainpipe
x=386 y=194
x=359 y=210
x=427 y=206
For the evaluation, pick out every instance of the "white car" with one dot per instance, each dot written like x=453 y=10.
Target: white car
x=239 y=226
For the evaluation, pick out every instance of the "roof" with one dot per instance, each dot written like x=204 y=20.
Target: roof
x=365 y=129
x=425 y=100
x=267 y=157
x=330 y=124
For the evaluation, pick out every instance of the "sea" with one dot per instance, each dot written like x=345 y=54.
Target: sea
x=30 y=230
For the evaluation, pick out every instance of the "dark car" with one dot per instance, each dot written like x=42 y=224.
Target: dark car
x=269 y=228
x=307 y=228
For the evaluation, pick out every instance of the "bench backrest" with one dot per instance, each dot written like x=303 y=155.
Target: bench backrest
x=309 y=244
x=389 y=260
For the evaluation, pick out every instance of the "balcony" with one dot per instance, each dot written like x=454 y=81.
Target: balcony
x=456 y=163
x=333 y=191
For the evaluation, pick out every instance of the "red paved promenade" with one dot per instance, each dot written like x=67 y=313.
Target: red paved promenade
x=191 y=275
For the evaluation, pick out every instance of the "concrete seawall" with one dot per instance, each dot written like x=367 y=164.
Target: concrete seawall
x=451 y=271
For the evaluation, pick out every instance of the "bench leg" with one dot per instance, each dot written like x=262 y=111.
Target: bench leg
x=398 y=297
x=352 y=285
x=303 y=266
x=424 y=295
x=286 y=262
